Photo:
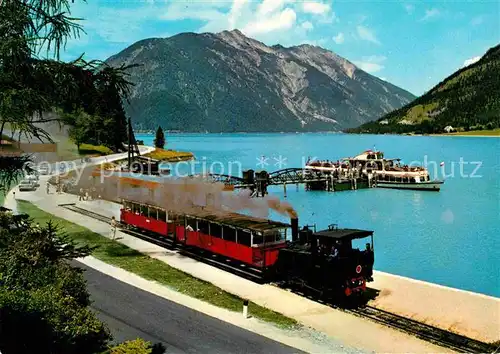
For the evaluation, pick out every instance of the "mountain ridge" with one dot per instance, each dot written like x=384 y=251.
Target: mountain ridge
x=468 y=99
x=227 y=82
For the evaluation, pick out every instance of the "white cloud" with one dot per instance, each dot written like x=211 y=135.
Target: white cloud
x=270 y=6
x=371 y=64
x=471 y=61
x=235 y=12
x=339 y=38
x=430 y=14
x=367 y=34
x=316 y=8
x=307 y=26
x=279 y=21
x=409 y=8
x=271 y=21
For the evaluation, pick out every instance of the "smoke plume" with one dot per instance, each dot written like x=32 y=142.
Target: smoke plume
x=185 y=195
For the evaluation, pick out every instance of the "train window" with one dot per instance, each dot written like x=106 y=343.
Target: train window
x=153 y=213
x=144 y=210
x=257 y=239
x=244 y=238
x=191 y=222
x=136 y=208
x=215 y=230
x=270 y=237
x=229 y=234
x=203 y=226
x=162 y=215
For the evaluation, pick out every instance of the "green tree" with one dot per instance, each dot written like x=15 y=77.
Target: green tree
x=41 y=294
x=159 y=139
x=32 y=85
x=137 y=346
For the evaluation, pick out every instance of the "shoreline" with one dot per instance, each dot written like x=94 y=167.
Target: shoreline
x=465 y=135
x=444 y=287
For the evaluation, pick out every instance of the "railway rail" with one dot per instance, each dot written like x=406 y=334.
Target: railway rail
x=441 y=337
x=432 y=334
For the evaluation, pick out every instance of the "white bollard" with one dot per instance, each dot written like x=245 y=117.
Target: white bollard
x=245 y=308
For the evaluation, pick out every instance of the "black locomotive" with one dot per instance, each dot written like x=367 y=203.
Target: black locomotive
x=326 y=261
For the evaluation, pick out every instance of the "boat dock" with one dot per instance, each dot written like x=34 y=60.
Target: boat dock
x=258 y=182
x=367 y=170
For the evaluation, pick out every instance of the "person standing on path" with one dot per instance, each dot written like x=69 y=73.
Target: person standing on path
x=48 y=188
x=113 y=228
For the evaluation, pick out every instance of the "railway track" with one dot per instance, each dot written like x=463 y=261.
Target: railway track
x=441 y=337
x=438 y=336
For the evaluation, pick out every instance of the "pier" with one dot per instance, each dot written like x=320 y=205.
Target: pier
x=259 y=181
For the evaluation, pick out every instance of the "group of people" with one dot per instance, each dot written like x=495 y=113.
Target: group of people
x=59 y=188
x=87 y=194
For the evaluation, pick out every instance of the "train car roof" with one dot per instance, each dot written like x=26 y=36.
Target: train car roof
x=238 y=220
x=344 y=233
x=228 y=218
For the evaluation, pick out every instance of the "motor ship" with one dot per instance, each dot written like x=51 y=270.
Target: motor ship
x=381 y=172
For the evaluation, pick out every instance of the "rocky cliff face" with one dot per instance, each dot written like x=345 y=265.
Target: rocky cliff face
x=227 y=82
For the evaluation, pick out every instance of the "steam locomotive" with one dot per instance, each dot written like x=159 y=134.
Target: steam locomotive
x=325 y=261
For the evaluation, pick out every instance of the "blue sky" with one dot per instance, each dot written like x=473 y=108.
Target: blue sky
x=412 y=44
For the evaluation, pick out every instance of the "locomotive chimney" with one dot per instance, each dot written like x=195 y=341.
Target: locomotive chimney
x=295 y=228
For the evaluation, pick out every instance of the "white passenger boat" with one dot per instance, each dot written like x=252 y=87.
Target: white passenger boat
x=381 y=172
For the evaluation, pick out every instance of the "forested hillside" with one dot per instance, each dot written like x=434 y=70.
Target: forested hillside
x=469 y=99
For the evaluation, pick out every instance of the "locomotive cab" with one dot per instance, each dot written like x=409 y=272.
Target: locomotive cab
x=329 y=261
x=341 y=252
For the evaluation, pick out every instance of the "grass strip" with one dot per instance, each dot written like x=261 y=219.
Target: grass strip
x=169 y=155
x=119 y=255
x=89 y=149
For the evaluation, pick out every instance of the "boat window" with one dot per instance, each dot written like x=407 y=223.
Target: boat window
x=162 y=215
x=244 y=238
x=412 y=180
x=203 y=226
x=215 y=230
x=229 y=234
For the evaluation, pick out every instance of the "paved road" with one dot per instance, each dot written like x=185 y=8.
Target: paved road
x=131 y=313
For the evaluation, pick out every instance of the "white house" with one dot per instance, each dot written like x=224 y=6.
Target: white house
x=449 y=129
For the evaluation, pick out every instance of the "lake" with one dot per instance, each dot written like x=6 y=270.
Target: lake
x=448 y=237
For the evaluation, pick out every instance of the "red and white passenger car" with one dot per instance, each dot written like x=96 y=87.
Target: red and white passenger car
x=253 y=241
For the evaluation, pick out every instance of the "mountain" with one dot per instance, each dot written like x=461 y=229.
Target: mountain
x=469 y=99
x=227 y=82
